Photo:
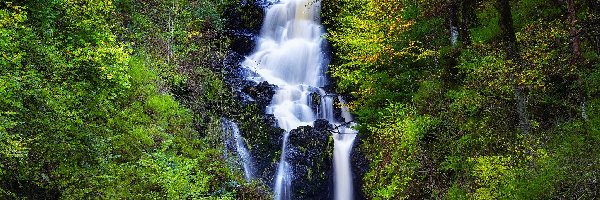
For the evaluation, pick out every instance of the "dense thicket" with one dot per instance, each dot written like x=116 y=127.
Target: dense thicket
x=472 y=99
x=114 y=99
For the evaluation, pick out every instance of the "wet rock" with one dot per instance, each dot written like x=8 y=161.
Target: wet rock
x=247 y=17
x=242 y=42
x=269 y=119
x=232 y=60
x=261 y=93
x=337 y=109
x=310 y=155
x=264 y=141
x=321 y=126
x=360 y=166
x=315 y=101
x=243 y=23
x=233 y=73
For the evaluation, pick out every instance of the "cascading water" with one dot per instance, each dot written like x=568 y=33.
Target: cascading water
x=234 y=141
x=289 y=55
x=342 y=148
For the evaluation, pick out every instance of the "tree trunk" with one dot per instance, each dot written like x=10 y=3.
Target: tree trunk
x=507 y=29
x=574 y=32
x=575 y=42
x=468 y=16
x=512 y=54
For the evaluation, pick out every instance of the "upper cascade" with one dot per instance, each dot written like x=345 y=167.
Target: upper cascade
x=289 y=49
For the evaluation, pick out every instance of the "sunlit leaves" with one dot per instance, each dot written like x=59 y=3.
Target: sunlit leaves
x=489 y=72
x=394 y=144
x=490 y=171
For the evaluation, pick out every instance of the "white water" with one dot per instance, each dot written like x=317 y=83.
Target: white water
x=453 y=35
x=289 y=55
x=283 y=180
x=232 y=135
x=342 y=149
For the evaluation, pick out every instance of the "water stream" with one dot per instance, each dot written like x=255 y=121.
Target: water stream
x=342 y=149
x=289 y=55
x=235 y=142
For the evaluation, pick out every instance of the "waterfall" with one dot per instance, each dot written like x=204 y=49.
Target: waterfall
x=289 y=55
x=235 y=142
x=453 y=35
x=342 y=148
x=283 y=184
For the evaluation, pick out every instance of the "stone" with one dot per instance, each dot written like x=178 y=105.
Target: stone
x=309 y=153
x=261 y=93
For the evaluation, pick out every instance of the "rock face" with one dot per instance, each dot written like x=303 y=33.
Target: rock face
x=243 y=24
x=265 y=145
x=261 y=93
x=337 y=111
x=242 y=42
x=263 y=140
x=360 y=166
x=310 y=155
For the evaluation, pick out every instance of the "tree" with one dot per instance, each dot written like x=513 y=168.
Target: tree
x=468 y=19
x=513 y=58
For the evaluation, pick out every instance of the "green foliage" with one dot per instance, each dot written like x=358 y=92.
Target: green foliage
x=490 y=173
x=457 y=134
x=87 y=110
x=393 y=151
x=489 y=28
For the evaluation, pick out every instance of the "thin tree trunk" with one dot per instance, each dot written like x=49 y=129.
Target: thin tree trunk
x=172 y=22
x=574 y=32
x=507 y=29
x=576 y=49
x=467 y=17
x=512 y=54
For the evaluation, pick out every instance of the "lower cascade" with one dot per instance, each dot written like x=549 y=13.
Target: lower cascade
x=342 y=148
x=289 y=55
x=234 y=142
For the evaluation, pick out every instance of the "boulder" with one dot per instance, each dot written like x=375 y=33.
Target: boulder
x=261 y=93
x=310 y=151
x=337 y=110
x=242 y=42
x=264 y=141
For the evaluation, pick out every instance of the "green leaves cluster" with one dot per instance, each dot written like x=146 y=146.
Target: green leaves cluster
x=393 y=150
